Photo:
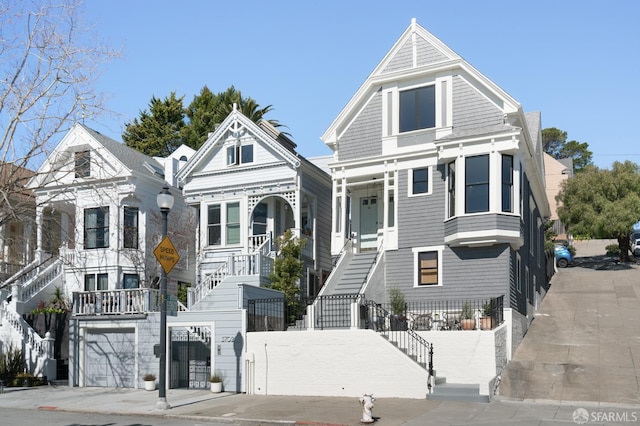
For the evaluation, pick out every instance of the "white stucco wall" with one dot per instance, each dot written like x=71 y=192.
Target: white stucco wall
x=354 y=362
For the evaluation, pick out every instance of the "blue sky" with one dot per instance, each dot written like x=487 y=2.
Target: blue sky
x=577 y=62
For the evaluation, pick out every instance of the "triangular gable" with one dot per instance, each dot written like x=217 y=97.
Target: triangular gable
x=114 y=157
x=416 y=51
x=235 y=122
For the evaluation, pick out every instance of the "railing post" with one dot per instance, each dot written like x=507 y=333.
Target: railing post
x=311 y=317
x=355 y=317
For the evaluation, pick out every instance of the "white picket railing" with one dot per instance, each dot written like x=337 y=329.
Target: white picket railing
x=116 y=302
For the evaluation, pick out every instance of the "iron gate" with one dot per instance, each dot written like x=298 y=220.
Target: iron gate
x=190 y=357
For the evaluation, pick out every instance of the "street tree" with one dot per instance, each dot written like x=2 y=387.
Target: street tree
x=287 y=268
x=602 y=203
x=48 y=71
x=554 y=143
x=167 y=124
x=160 y=130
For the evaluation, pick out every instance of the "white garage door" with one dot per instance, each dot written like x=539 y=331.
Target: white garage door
x=110 y=358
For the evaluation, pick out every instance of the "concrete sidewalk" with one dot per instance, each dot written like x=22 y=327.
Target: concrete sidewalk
x=203 y=406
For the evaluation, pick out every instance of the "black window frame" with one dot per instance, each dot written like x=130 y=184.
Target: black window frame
x=507 y=183
x=130 y=227
x=101 y=228
x=476 y=181
x=451 y=187
x=214 y=238
x=417 y=109
x=428 y=256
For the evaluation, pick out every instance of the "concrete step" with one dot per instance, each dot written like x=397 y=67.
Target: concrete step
x=457 y=392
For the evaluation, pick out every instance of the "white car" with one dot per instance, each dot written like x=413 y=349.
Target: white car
x=634 y=243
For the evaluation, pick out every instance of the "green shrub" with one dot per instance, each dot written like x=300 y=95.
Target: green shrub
x=11 y=364
x=613 y=250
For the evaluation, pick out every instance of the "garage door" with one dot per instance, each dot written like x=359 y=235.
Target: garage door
x=110 y=358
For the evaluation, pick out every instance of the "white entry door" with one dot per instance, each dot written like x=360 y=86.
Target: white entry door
x=368 y=223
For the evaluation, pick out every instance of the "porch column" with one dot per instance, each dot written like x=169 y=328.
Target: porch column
x=343 y=212
x=39 y=230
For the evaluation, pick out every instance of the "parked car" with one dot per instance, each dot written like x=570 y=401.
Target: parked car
x=634 y=243
x=563 y=256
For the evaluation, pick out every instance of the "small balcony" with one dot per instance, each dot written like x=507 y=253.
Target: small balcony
x=116 y=302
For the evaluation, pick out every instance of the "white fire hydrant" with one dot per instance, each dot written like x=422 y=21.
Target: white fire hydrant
x=367 y=405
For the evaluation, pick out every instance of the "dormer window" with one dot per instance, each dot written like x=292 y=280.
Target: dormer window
x=239 y=154
x=418 y=109
x=83 y=164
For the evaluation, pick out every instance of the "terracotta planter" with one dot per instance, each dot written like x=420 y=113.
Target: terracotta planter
x=216 y=387
x=149 y=385
x=468 y=324
x=486 y=323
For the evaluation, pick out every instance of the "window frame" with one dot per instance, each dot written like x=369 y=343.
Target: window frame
x=506 y=184
x=213 y=225
x=482 y=182
x=82 y=164
x=239 y=154
x=125 y=276
x=103 y=217
x=96 y=281
x=416 y=118
x=232 y=225
x=438 y=250
x=130 y=233
x=411 y=183
x=451 y=188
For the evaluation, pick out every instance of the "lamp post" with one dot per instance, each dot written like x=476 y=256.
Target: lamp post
x=165 y=202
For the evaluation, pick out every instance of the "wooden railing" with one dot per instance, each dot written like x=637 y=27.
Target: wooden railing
x=116 y=302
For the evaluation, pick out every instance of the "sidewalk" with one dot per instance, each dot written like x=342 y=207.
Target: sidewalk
x=241 y=409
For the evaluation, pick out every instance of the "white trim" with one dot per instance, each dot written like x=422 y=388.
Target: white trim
x=410 y=182
x=416 y=250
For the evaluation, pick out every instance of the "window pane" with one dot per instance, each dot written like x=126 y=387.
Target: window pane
x=260 y=219
x=420 y=181
x=131 y=281
x=507 y=183
x=452 y=188
x=247 y=154
x=392 y=212
x=96 y=227
x=233 y=223
x=477 y=184
x=231 y=155
x=417 y=109
x=89 y=283
x=213 y=221
x=131 y=227
x=103 y=281
x=428 y=268
x=83 y=164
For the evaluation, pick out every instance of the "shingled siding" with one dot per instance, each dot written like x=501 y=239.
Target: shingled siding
x=364 y=136
x=482 y=223
x=479 y=272
x=402 y=60
x=471 y=109
x=322 y=215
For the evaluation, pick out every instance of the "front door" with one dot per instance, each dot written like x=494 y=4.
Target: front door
x=368 y=223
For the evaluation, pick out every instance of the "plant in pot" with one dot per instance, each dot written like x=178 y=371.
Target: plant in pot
x=486 y=321
x=149 y=381
x=467 y=321
x=398 y=310
x=216 y=383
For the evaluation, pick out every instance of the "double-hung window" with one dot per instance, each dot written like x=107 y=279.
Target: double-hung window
x=213 y=225
x=507 y=183
x=83 y=164
x=130 y=227
x=451 y=187
x=418 y=108
x=419 y=181
x=233 y=223
x=96 y=228
x=130 y=281
x=477 y=184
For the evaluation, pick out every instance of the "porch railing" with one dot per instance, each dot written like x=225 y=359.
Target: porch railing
x=116 y=302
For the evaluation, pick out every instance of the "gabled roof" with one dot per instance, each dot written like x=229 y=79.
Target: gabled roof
x=235 y=122
x=130 y=159
x=416 y=53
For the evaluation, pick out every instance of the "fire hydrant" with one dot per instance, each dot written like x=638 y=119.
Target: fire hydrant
x=367 y=405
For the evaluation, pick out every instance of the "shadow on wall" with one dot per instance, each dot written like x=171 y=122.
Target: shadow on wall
x=238 y=346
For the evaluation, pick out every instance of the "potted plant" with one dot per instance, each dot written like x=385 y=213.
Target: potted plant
x=467 y=321
x=486 y=321
x=398 y=308
x=216 y=383
x=149 y=381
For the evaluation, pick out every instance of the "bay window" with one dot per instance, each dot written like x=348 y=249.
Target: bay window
x=477 y=184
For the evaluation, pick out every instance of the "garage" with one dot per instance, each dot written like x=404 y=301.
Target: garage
x=110 y=357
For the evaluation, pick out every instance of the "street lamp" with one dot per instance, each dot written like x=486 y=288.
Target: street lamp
x=165 y=202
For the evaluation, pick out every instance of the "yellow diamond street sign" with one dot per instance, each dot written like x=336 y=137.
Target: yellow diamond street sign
x=166 y=254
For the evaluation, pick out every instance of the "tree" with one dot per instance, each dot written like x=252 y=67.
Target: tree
x=287 y=267
x=49 y=67
x=554 y=142
x=160 y=131
x=602 y=203
x=167 y=124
